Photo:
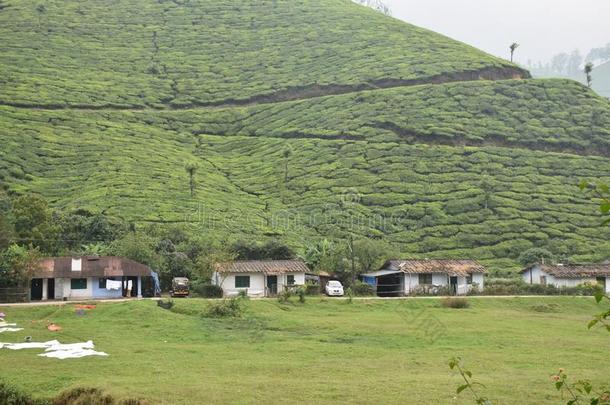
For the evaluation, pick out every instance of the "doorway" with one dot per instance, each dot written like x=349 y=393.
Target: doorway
x=453 y=284
x=36 y=289
x=601 y=281
x=272 y=285
x=51 y=289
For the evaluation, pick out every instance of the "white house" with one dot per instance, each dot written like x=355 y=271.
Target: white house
x=568 y=275
x=89 y=277
x=259 y=278
x=404 y=277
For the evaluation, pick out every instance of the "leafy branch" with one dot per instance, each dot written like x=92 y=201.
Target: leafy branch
x=469 y=383
x=581 y=391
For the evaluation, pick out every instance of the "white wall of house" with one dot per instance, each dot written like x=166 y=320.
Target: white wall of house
x=533 y=276
x=282 y=280
x=479 y=279
x=442 y=280
x=227 y=283
x=85 y=293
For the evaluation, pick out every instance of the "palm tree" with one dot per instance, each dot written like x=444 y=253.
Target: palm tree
x=191 y=169
x=513 y=48
x=588 y=72
x=286 y=153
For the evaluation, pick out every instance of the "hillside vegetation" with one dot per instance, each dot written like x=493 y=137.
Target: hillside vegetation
x=344 y=122
x=164 y=53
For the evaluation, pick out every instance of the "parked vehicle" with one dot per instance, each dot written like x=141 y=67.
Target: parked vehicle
x=180 y=287
x=334 y=288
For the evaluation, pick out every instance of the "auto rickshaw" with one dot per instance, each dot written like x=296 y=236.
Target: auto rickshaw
x=180 y=287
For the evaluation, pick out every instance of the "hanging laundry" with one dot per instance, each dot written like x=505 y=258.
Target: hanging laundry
x=113 y=285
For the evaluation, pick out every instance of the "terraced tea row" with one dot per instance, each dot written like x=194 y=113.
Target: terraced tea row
x=485 y=202
x=140 y=53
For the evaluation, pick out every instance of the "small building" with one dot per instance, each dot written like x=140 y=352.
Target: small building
x=90 y=277
x=259 y=278
x=568 y=275
x=398 y=278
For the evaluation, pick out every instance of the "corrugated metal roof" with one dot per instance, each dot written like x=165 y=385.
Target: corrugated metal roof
x=380 y=273
x=91 y=266
x=575 y=271
x=450 y=267
x=270 y=267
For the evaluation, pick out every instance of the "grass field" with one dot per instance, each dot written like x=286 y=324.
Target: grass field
x=323 y=351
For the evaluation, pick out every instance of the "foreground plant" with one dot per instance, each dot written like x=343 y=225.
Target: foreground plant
x=581 y=391
x=469 y=383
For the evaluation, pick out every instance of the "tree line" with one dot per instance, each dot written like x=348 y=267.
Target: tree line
x=30 y=230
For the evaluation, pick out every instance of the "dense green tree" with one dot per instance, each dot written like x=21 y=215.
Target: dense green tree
x=270 y=250
x=32 y=223
x=17 y=263
x=82 y=227
x=535 y=256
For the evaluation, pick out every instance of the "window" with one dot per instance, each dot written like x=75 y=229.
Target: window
x=425 y=279
x=242 y=281
x=78 y=283
x=469 y=279
x=543 y=280
x=290 y=279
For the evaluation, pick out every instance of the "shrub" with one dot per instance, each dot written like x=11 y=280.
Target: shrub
x=227 y=308
x=208 y=291
x=165 y=304
x=11 y=396
x=284 y=296
x=452 y=302
x=361 y=289
x=301 y=292
x=91 y=396
x=312 y=289
x=545 y=308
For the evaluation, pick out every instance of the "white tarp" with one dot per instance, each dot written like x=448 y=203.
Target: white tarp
x=72 y=354
x=56 y=350
x=29 y=345
x=10 y=329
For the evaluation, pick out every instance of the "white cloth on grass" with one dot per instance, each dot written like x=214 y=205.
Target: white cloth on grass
x=30 y=345
x=113 y=285
x=3 y=324
x=72 y=354
x=10 y=329
x=71 y=346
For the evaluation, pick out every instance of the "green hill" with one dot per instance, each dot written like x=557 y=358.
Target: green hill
x=307 y=119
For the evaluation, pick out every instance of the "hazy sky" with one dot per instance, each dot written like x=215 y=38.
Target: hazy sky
x=542 y=27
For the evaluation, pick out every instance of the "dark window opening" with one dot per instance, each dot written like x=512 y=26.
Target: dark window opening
x=78 y=283
x=242 y=281
x=425 y=279
x=290 y=279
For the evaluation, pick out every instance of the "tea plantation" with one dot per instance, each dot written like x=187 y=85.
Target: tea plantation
x=344 y=122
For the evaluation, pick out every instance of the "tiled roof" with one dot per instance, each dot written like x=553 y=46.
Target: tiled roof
x=575 y=271
x=450 y=267
x=264 y=266
x=91 y=266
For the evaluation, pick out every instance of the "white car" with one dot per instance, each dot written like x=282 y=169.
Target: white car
x=334 y=289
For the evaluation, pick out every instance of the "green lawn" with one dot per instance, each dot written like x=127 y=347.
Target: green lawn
x=323 y=351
